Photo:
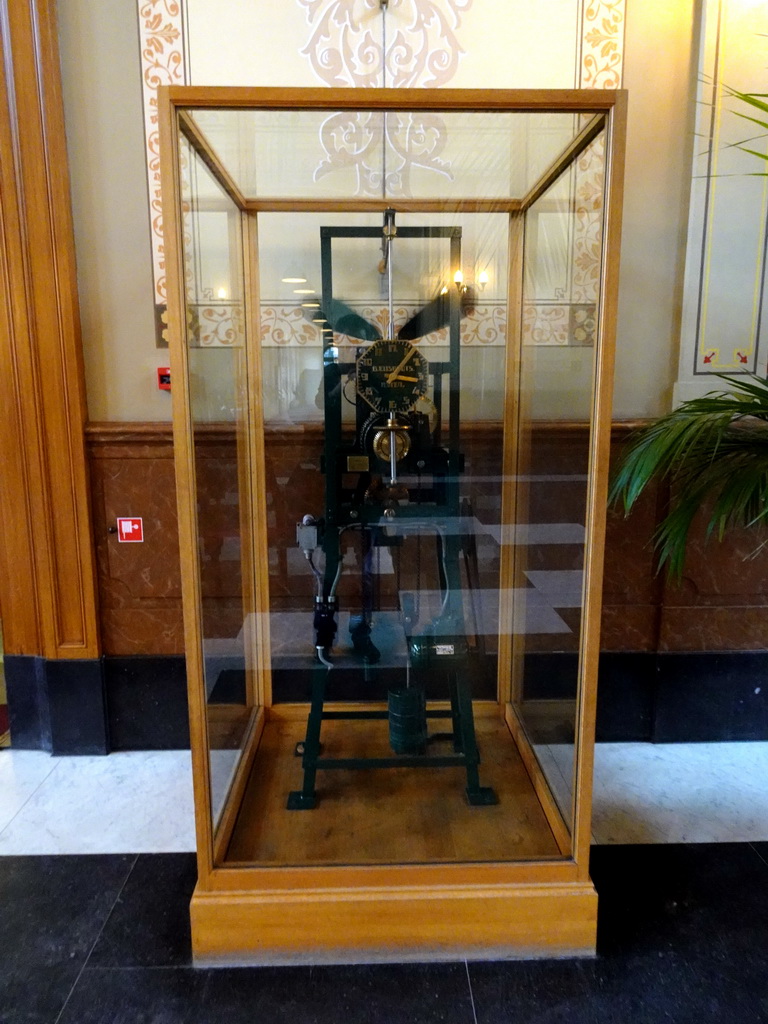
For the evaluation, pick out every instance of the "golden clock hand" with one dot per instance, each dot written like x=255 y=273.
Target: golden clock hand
x=412 y=380
x=400 y=365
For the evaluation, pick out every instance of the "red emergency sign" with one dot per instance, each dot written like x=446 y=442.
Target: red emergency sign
x=130 y=529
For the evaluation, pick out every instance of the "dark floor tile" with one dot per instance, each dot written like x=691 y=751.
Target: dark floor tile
x=688 y=898
x=532 y=991
x=144 y=995
x=650 y=989
x=53 y=908
x=663 y=987
x=35 y=993
x=149 y=923
x=382 y=993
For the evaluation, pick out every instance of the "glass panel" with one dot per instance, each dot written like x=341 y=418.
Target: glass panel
x=384 y=343
x=215 y=338
x=400 y=608
x=317 y=153
x=563 y=233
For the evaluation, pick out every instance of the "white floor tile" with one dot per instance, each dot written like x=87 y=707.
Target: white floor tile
x=680 y=792
x=21 y=772
x=138 y=802
x=141 y=802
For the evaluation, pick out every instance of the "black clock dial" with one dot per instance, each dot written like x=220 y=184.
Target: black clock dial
x=392 y=375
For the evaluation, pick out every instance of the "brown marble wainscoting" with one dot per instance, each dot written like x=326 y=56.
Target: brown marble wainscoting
x=139 y=585
x=680 y=661
x=721 y=604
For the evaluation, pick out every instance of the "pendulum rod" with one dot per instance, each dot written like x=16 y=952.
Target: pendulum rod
x=389 y=234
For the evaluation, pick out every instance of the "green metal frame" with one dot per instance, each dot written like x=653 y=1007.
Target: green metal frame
x=346 y=509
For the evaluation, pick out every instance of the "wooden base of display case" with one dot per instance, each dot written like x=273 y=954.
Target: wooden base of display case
x=363 y=925
x=391 y=864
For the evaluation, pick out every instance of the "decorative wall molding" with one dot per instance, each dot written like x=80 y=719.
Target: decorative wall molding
x=724 y=315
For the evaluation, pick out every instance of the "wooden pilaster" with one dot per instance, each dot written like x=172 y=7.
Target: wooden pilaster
x=47 y=587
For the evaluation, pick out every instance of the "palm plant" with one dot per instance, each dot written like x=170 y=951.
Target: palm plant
x=713 y=450
x=755 y=101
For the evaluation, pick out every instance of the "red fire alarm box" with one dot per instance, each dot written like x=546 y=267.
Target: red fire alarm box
x=164 y=378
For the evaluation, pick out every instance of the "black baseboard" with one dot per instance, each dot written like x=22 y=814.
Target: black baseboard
x=147 y=702
x=140 y=703
x=57 y=705
x=665 y=698
x=28 y=714
x=721 y=695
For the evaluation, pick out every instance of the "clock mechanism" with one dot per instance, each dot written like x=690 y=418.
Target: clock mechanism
x=391 y=375
x=393 y=477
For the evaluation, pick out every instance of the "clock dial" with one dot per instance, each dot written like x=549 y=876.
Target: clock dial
x=392 y=375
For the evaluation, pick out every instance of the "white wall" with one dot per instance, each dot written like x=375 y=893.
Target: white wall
x=102 y=103
x=659 y=80
x=102 y=95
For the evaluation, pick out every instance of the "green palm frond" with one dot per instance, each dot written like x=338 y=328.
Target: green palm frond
x=714 y=452
x=759 y=102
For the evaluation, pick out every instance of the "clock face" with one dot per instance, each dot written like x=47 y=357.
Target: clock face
x=392 y=375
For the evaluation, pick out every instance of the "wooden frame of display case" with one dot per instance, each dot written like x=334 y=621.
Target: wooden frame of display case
x=248 y=913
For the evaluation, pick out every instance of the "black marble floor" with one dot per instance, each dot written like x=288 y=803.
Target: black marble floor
x=104 y=939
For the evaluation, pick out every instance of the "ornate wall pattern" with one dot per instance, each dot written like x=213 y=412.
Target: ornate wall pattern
x=287 y=326
x=567 y=315
x=348 y=47
x=408 y=43
x=601 y=56
x=162 y=63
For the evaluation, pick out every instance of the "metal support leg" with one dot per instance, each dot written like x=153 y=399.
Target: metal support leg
x=453 y=691
x=477 y=795
x=305 y=799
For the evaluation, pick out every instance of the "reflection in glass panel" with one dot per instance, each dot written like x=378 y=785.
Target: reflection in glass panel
x=215 y=339
x=427 y=154
x=563 y=235
x=384 y=345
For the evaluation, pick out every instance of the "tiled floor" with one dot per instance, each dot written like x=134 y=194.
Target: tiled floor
x=104 y=938
x=141 y=802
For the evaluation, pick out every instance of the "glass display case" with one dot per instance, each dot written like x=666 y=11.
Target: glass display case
x=391 y=316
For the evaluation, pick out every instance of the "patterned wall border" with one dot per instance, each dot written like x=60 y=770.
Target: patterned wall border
x=161 y=39
x=220 y=324
x=215 y=324
x=601 y=51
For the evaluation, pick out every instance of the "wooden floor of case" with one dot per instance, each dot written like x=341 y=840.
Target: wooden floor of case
x=387 y=816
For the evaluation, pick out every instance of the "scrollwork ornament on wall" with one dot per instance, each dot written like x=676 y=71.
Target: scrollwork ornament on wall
x=426 y=52
x=602 y=44
x=343 y=49
x=347 y=48
x=220 y=325
x=545 y=324
x=383 y=151
x=162 y=63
